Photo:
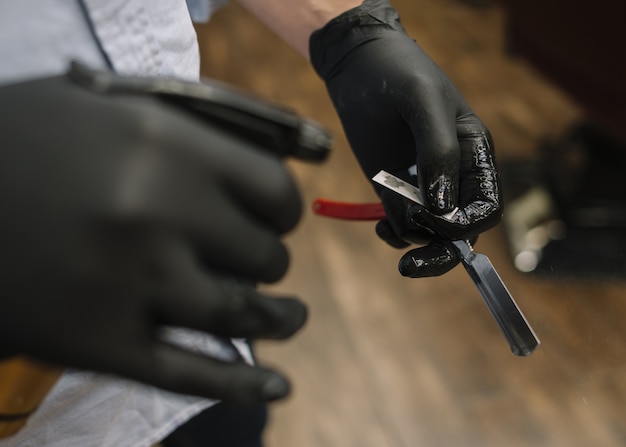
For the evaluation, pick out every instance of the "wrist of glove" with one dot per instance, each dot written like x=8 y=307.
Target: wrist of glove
x=352 y=54
x=330 y=44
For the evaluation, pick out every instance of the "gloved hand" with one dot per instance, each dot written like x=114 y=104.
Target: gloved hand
x=398 y=108
x=122 y=215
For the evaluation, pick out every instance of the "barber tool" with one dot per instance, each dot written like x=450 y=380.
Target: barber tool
x=271 y=126
x=518 y=333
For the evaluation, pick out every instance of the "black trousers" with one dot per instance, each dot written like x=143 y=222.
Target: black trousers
x=221 y=426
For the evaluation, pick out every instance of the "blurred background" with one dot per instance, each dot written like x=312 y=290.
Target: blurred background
x=389 y=361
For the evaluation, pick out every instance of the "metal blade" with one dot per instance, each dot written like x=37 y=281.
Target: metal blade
x=500 y=303
x=498 y=299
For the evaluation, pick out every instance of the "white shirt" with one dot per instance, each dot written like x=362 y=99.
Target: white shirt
x=154 y=38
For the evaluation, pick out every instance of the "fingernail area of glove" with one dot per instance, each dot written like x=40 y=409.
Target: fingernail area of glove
x=432 y=260
x=289 y=317
x=275 y=387
x=410 y=265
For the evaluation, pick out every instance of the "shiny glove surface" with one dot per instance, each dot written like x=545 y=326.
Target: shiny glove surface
x=399 y=109
x=121 y=216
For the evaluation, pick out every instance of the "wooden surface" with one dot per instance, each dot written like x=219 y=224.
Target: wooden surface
x=388 y=361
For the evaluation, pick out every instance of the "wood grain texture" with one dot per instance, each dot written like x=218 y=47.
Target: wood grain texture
x=388 y=361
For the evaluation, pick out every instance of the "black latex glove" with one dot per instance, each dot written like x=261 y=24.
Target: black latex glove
x=398 y=108
x=109 y=204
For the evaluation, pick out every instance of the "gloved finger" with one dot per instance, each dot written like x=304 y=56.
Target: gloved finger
x=181 y=371
x=268 y=190
x=434 y=259
x=433 y=125
x=480 y=204
x=385 y=232
x=197 y=298
x=398 y=222
x=480 y=199
x=260 y=183
x=241 y=246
